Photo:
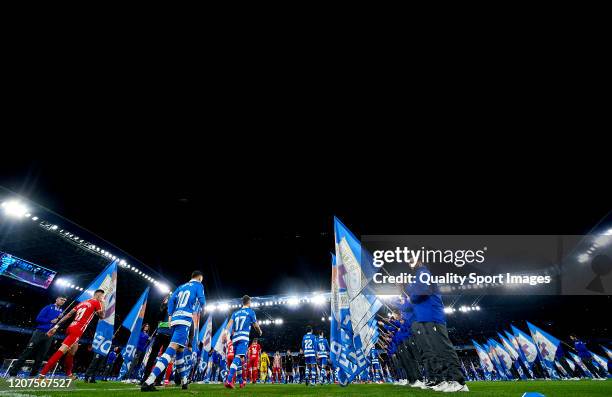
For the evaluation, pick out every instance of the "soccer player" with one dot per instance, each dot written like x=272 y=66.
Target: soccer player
x=83 y=313
x=323 y=355
x=276 y=367
x=376 y=368
x=181 y=305
x=253 y=362
x=264 y=363
x=230 y=356
x=239 y=327
x=309 y=344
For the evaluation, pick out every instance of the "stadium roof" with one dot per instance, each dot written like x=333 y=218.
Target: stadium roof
x=37 y=235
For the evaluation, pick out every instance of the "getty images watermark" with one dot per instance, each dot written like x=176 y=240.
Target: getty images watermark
x=497 y=264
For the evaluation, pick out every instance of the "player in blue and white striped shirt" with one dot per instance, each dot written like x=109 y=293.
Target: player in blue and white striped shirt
x=309 y=346
x=323 y=355
x=376 y=368
x=239 y=327
x=184 y=302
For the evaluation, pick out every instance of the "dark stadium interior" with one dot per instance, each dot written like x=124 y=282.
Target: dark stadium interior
x=172 y=222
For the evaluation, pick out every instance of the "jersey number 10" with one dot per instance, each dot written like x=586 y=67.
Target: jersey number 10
x=183 y=298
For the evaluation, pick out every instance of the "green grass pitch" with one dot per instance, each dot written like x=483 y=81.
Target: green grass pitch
x=583 y=388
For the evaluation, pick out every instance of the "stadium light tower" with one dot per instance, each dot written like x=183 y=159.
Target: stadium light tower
x=14 y=208
x=293 y=301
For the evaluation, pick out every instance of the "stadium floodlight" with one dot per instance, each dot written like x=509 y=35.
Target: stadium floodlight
x=603 y=240
x=34 y=218
x=163 y=288
x=477 y=308
x=448 y=310
x=54 y=227
x=293 y=301
x=14 y=208
x=223 y=307
x=319 y=300
x=583 y=258
x=278 y=321
x=329 y=318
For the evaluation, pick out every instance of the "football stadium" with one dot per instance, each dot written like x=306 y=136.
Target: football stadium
x=126 y=289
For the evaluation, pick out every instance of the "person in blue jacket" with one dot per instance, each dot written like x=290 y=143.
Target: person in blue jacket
x=429 y=329
x=110 y=364
x=39 y=343
x=583 y=352
x=141 y=346
x=409 y=354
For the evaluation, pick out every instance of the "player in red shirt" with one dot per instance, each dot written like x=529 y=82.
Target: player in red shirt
x=83 y=313
x=230 y=357
x=253 y=363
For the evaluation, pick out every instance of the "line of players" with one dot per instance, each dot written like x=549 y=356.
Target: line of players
x=287 y=368
x=182 y=305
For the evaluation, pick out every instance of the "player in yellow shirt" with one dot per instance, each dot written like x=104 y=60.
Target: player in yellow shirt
x=264 y=363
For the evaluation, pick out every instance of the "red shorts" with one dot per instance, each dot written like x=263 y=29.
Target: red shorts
x=73 y=334
x=230 y=358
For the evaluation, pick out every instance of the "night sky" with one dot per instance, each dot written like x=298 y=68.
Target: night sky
x=260 y=224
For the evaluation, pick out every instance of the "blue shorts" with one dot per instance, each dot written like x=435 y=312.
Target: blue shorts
x=376 y=366
x=323 y=361
x=180 y=335
x=310 y=359
x=240 y=347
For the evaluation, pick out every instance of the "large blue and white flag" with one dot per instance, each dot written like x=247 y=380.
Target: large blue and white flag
x=504 y=359
x=602 y=362
x=499 y=370
x=526 y=344
x=133 y=323
x=508 y=346
x=561 y=370
x=547 y=347
x=217 y=342
x=582 y=366
x=608 y=352
x=356 y=273
x=485 y=360
x=206 y=338
x=107 y=281
x=571 y=364
x=206 y=334
x=342 y=350
x=514 y=342
x=516 y=357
